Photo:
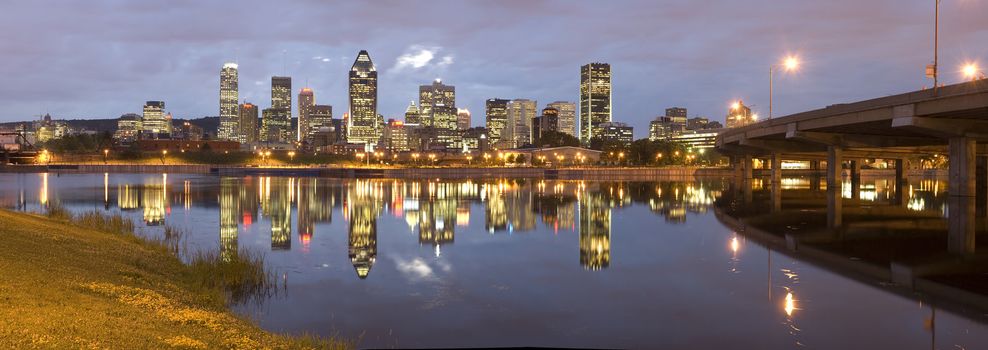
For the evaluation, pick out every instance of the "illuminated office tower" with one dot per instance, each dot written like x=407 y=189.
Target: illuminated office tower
x=247 y=125
x=437 y=107
x=595 y=99
x=496 y=114
x=567 y=117
x=740 y=115
x=677 y=115
x=276 y=125
x=413 y=115
x=362 y=232
x=306 y=107
x=519 y=124
x=462 y=119
x=153 y=121
x=435 y=100
x=281 y=92
x=229 y=215
x=595 y=232
x=547 y=122
x=280 y=212
x=362 y=124
x=320 y=118
x=128 y=128
x=229 y=95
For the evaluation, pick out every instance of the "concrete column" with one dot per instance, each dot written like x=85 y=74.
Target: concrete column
x=855 y=179
x=749 y=164
x=834 y=205
x=961 y=191
x=981 y=186
x=901 y=197
x=737 y=163
x=776 y=181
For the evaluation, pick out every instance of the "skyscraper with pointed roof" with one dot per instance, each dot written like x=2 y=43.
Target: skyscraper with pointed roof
x=362 y=124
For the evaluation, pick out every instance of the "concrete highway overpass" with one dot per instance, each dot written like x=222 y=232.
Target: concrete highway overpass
x=950 y=120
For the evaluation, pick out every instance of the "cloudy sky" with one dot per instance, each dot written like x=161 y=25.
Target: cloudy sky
x=100 y=59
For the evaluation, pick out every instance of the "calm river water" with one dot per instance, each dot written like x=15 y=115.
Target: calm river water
x=527 y=262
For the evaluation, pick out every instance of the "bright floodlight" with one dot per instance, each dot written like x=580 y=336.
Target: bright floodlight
x=970 y=70
x=736 y=105
x=791 y=63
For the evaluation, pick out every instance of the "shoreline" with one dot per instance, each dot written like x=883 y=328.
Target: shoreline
x=79 y=283
x=586 y=173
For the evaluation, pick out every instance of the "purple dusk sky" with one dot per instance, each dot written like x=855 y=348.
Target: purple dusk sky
x=100 y=59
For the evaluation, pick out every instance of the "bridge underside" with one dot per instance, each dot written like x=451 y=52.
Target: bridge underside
x=951 y=121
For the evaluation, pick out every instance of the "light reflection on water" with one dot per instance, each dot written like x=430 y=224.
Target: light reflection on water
x=515 y=262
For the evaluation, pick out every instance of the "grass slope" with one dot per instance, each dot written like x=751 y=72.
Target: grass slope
x=66 y=286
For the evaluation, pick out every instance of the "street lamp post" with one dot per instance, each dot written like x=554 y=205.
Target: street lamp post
x=790 y=64
x=936 y=44
x=106 y=153
x=164 y=153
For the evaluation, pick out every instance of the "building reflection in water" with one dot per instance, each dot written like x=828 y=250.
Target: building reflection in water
x=362 y=202
x=228 y=202
x=280 y=212
x=315 y=205
x=43 y=195
x=433 y=210
x=595 y=232
x=154 y=201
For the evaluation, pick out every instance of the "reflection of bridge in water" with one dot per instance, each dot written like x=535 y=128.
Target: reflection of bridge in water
x=952 y=120
x=895 y=232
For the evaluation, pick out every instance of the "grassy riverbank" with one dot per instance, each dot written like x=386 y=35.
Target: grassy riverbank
x=65 y=285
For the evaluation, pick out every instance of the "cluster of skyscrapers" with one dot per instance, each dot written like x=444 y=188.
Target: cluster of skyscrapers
x=435 y=123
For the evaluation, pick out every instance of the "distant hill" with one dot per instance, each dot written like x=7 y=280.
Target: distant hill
x=208 y=124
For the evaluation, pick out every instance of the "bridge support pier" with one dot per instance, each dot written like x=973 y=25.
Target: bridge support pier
x=855 y=179
x=901 y=183
x=834 y=205
x=981 y=186
x=749 y=165
x=961 y=191
x=776 y=181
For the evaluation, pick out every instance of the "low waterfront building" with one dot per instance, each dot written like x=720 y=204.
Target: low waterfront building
x=698 y=139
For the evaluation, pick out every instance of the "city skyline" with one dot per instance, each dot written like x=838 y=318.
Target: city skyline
x=683 y=68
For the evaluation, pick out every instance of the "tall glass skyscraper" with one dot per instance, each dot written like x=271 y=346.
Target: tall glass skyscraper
x=362 y=125
x=306 y=104
x=229 y=96
x=247 y=126
x=595 y=99
x=496 y=113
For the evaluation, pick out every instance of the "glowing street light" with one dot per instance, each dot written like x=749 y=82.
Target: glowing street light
x=789 y=64
x=971 y=71
x=291 y=155
x=164 y=153
x=106 y=153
